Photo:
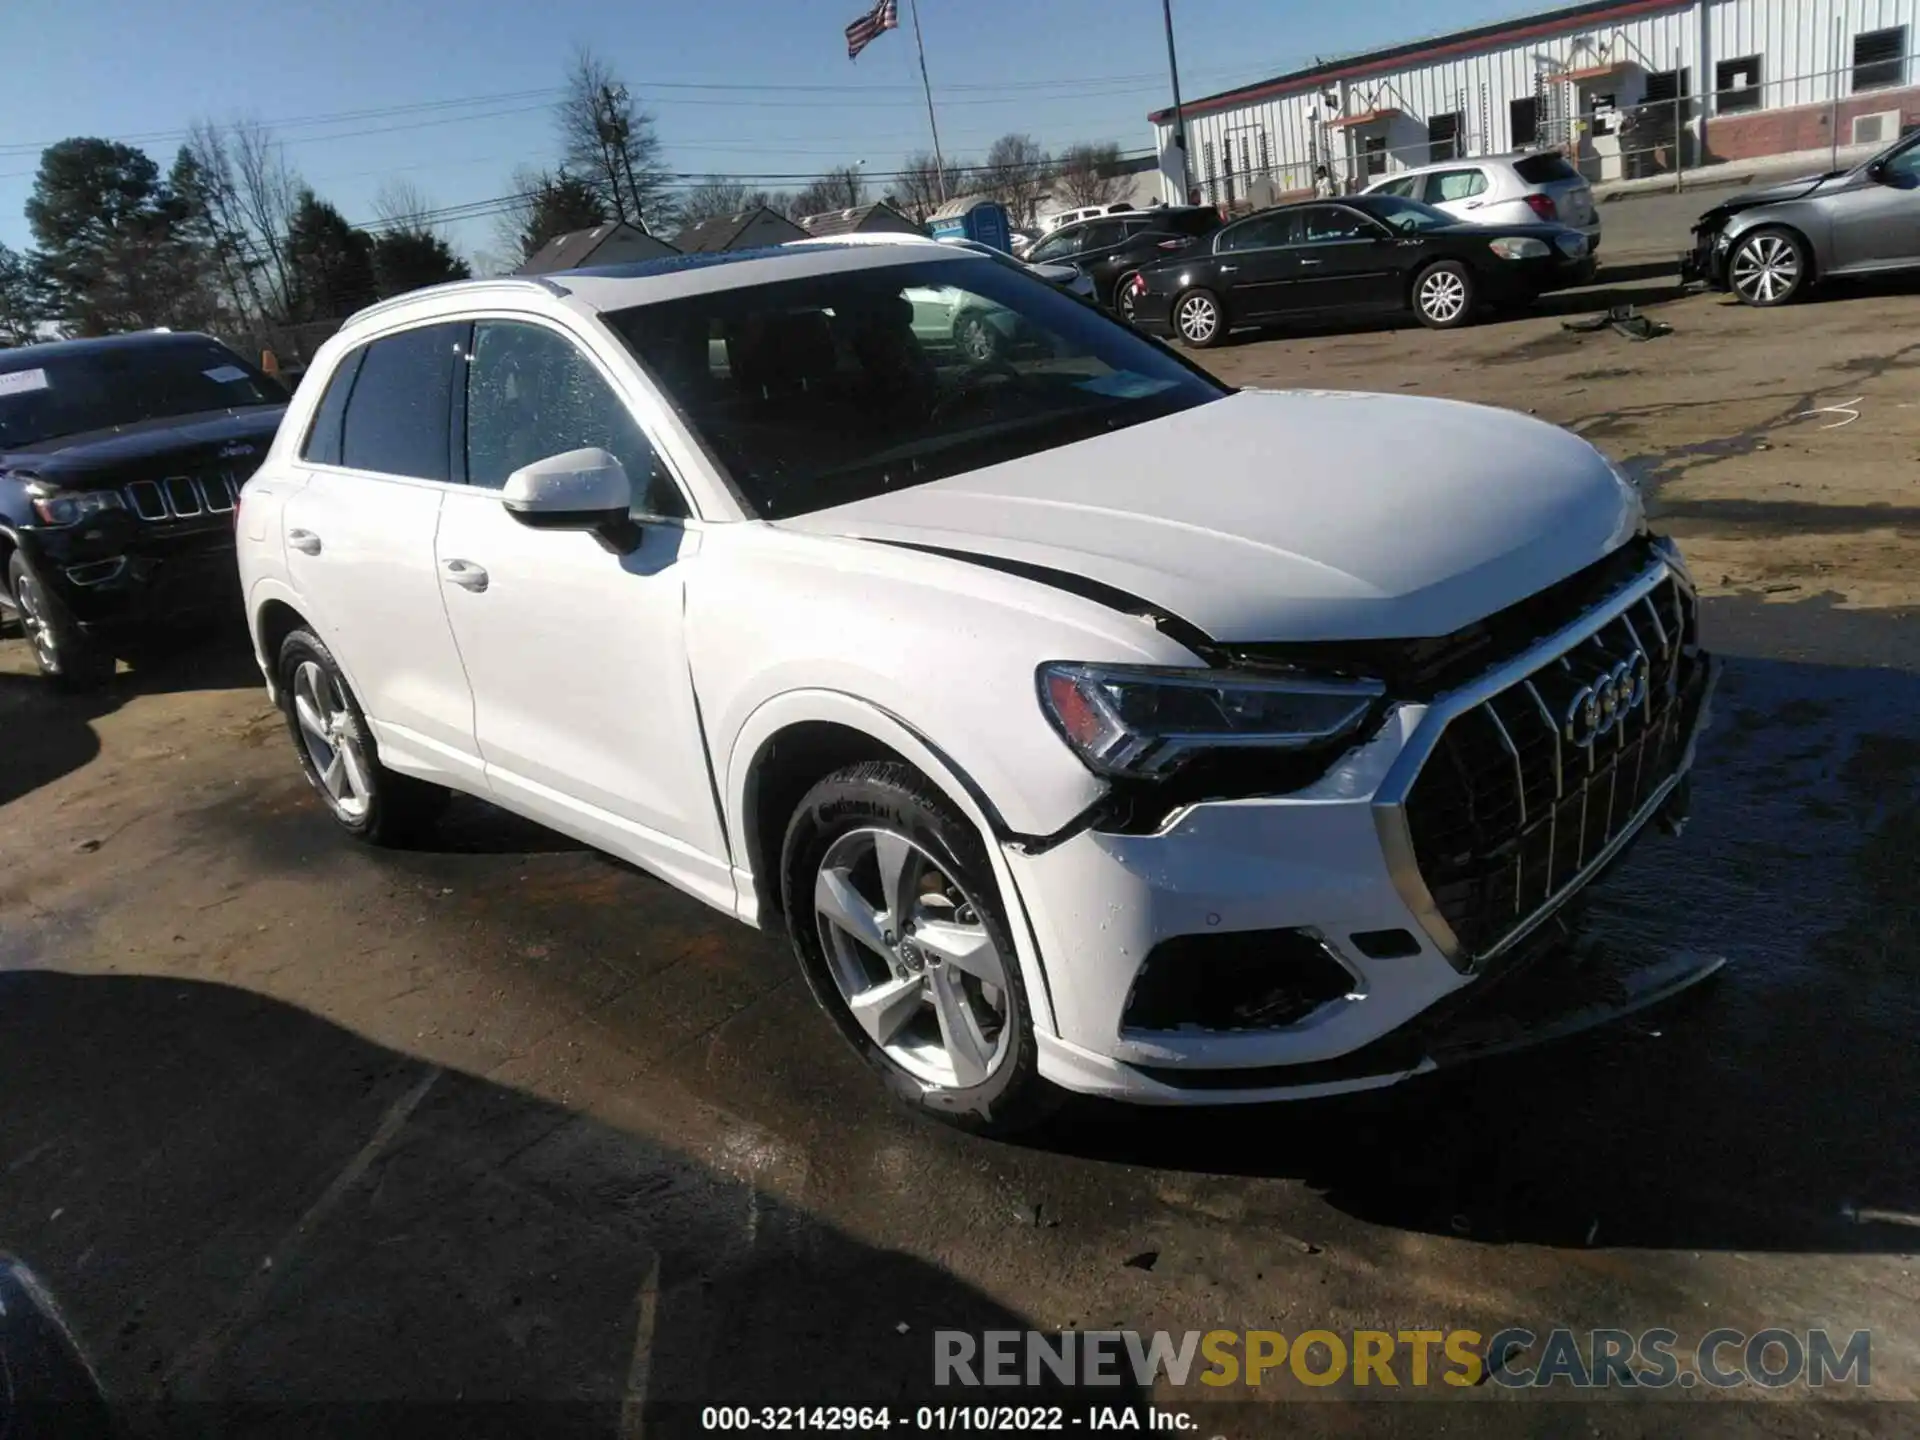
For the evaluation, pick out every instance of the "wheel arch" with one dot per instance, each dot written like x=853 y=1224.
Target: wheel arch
x=795 y=740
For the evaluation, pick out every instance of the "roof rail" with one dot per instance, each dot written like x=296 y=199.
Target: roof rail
x=510 y=282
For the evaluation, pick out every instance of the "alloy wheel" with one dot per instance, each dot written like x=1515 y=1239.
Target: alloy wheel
x=1766 y=269
x=912 y=959
x=33 y=619
x=1443 y=295
x=327 y=730
x=1123 y=299
x=1199 y=318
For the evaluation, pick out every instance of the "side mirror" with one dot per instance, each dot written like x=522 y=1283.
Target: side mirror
x=1877 y=172
x=579 y=490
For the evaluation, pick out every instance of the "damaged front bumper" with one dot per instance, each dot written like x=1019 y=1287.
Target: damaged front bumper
x=1346 y=975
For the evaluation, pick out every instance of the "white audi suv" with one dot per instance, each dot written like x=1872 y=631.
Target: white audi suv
x=1085 y=723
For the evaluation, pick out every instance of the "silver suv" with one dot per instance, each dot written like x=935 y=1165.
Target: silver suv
x=1513 y=189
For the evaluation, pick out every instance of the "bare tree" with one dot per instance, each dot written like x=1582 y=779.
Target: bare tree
x=714 y=198
x=919 y=190
x=1090 y=175
x=1016 y=174
x=841 y=188
x=608 y=141
x=402 y=205
x=267 y=193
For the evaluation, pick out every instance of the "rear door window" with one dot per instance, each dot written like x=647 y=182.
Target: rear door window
x=1445 y=185
x=1544 y=169
x=1262 y=232
x=1058 y=246
x=399 y=415
x=1322 y=223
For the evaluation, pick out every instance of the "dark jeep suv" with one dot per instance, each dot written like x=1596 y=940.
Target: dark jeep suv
x=121 y=461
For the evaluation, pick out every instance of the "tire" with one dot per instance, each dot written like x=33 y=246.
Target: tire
x=1191 y=322
x=1443 y=295
x=1768 y=267
x=374 y=804
x=976 y=340
x=832 y=872
x=64 y=653
x=1123 y=301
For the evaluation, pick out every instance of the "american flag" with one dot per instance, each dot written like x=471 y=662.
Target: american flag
x=863 y=32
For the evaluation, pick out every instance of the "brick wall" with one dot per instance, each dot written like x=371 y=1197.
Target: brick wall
x=1802 y=127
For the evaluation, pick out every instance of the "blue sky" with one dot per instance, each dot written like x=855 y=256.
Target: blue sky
x=1063 y=71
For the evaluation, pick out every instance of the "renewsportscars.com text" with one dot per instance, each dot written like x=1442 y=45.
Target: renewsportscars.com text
x=1515 y=1357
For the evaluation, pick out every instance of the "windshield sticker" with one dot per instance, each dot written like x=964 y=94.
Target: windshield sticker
x=1125 y=385
x=22 y=382
x=225 y=374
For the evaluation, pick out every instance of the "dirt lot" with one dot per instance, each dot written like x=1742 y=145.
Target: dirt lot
x=289 y=1123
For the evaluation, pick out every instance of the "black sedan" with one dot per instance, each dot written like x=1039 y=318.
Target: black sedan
x=1365 y=254
x=1108 y=250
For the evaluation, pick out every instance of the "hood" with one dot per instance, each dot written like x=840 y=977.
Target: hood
x=1287 y=515
x=1796 y=189
x=127 y=452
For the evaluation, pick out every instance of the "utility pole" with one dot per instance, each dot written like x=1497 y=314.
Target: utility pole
x=1179 y=123
x=939 y=165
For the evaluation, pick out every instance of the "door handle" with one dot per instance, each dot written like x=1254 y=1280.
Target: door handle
x=1306 y=261
x=465 y=574
x=1227 y=269
x=305 y=541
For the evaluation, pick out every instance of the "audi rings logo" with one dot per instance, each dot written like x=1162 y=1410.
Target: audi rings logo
x=1598 y=707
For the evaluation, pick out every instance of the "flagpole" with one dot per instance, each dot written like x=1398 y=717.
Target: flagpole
x=939 y=164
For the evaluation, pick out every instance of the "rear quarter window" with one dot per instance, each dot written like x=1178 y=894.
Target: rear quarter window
x=323 y=435
x=1544 y=169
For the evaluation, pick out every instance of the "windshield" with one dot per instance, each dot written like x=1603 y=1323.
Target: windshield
x=820 y=392
x=45 y=394
x=1408 y=216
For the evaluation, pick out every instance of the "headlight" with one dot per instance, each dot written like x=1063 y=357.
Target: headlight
x=1723 y=241
x=1517 y=247
x=1145 y=721
x=55 y=506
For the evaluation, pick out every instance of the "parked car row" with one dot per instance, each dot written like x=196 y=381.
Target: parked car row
x=729 y=565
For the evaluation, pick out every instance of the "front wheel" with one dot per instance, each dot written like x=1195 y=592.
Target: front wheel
x=1123 y=298
x=60 y=648
x=1769 y=267
x=898 y=925
x=1198 y=319
x=1443 y=295
x=338 y=753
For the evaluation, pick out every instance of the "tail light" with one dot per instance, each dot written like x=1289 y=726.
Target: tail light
x=1543 y=206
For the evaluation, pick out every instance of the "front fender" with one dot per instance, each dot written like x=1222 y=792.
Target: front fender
x=797 y=707
x=1808 y=221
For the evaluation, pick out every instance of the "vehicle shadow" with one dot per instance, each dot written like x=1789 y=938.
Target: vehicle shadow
x=50 y=731
x=1764 y=1111
x=257 y=1222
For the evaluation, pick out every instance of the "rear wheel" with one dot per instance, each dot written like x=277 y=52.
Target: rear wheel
x=1198 y=319
x=338 y=753
x=60 y=648
x=1443 y=295
x=1768 y=267
x=897 y=923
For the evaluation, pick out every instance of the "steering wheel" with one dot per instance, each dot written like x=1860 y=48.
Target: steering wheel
x=968 y=388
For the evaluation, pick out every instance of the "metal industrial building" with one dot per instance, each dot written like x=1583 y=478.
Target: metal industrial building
x=1627 y=88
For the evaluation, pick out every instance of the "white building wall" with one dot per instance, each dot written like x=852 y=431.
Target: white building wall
x=1804 y=45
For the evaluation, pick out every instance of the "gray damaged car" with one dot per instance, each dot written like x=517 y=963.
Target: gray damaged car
x=1768 y=246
